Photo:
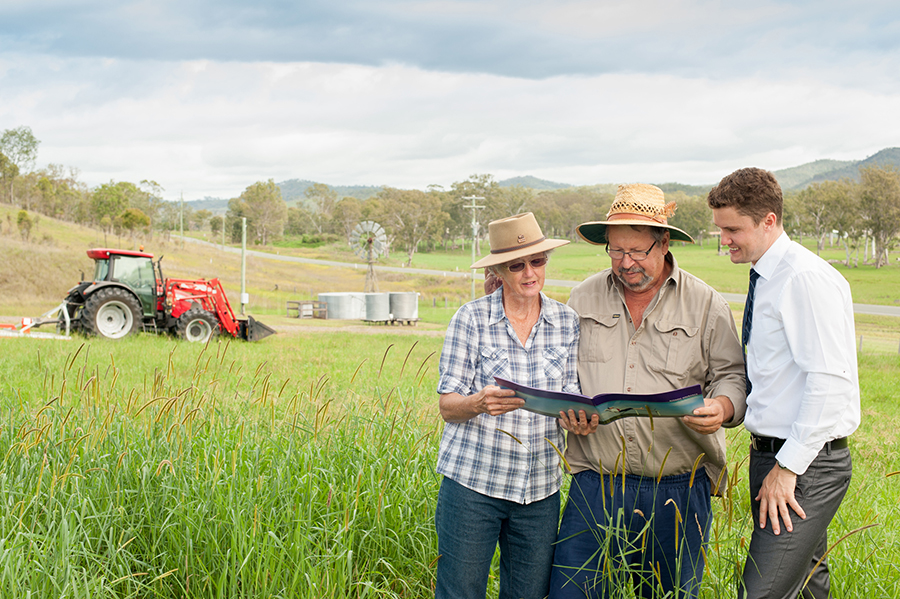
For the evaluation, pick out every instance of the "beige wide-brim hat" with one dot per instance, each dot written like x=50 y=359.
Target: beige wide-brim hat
x=516 y=237
x=635 y=204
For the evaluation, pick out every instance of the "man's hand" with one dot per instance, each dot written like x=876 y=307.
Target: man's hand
x=579 y=425
x=495 y=401
x=708 y=419
x=775 y=496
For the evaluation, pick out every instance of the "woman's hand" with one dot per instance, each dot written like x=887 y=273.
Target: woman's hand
x=491 y=400
x=495 y=401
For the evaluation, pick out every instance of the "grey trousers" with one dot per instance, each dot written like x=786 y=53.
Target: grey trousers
x=778 y=566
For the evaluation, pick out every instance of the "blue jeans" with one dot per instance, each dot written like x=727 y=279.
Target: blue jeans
x=469 y=526
x=612 y=533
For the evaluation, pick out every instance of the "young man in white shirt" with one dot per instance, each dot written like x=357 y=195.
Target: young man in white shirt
x=803 y=389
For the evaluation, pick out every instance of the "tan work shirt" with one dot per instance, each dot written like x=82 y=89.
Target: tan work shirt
x=687 y=336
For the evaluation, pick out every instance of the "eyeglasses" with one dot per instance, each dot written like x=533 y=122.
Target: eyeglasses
x=636 y=256
x=520 y=266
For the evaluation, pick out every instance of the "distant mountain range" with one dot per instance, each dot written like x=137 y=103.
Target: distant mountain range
x=794 y=178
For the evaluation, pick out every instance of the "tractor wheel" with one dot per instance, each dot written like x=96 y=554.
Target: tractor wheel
x=197 y=325
x=112 y=313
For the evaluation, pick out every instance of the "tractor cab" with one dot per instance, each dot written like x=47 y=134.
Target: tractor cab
x=134 y=269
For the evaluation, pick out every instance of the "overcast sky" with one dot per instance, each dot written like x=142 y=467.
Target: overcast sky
x=207 y=97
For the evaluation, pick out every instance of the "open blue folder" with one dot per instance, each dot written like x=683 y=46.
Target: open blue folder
x=609 y=406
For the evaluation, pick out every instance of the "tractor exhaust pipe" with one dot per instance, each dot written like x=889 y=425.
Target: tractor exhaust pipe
x=253 y=330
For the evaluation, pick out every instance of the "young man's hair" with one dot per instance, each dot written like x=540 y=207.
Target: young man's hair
x=753 y=192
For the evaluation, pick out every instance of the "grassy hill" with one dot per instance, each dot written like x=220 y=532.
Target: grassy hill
x=800 y=177
x=533 y=183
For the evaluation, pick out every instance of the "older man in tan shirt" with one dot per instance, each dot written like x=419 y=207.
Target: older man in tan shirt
x=639 y=503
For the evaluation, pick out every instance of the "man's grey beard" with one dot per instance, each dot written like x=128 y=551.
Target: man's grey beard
x=643 y=284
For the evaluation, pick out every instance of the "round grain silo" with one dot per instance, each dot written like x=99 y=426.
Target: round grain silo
x=405 y=305
x=378 y=307
x=343 y=305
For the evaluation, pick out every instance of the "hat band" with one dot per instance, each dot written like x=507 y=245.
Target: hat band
x=659 y=219
x=518 y=247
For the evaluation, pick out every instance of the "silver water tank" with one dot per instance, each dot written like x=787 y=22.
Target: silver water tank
x=344 y=305
x=405 y=305
x=378 y=306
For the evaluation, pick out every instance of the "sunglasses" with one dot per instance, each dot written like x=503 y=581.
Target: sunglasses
x=520 y=266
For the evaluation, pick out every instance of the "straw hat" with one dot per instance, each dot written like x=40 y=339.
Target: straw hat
x=635 y=204
x=516 y=237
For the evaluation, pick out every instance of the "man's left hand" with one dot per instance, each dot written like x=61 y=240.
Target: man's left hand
x=580 y=425
x=776 y=495
x=708 y=419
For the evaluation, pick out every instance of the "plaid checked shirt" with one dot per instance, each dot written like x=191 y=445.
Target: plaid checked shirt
x=479 y=345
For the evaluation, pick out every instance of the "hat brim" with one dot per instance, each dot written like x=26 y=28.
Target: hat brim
x=503 y=257
x=595 y=232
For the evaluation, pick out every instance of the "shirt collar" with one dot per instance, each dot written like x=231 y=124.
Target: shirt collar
x=767 y=263
x=497 y=314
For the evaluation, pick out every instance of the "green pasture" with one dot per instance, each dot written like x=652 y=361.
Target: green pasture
x=300 y=466
x=578 y=260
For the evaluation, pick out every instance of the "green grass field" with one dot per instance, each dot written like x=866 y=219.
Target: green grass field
x=303 y=465
x=300 y=466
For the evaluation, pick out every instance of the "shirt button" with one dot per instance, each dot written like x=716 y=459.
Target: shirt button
x=631 y=438
x=628 y=389
x=675 y=334
x=631 y=365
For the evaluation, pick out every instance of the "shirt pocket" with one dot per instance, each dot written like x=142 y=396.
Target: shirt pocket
x=676 y=351
x=555 y=359
x=494 y=362
x=597 y=334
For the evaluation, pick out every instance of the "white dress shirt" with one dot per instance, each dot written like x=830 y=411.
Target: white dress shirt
x=801 y=357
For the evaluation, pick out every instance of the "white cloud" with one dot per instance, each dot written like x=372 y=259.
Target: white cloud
x=211 y=98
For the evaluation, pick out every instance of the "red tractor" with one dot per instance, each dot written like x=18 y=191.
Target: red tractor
x=128 y=294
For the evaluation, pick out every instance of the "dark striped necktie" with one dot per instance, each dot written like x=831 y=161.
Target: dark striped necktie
x=748 y=322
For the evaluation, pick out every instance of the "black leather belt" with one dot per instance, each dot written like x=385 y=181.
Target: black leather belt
x=773 y=444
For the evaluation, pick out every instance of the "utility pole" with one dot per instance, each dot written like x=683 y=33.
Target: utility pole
x=181 y=220
x=474 y=207
x=245 y=299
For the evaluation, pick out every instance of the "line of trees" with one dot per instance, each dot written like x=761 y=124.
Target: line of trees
x=857 y=213
x=854 y=213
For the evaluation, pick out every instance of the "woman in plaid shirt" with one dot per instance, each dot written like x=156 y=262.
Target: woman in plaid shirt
x=501 y=470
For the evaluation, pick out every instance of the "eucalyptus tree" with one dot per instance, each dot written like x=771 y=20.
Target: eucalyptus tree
x=411 y=217
x=321 y=200
x=347 y=213
x=8 y=173
x=20 y=147
x=265 y=210
x=879 y=202
x=692 y=215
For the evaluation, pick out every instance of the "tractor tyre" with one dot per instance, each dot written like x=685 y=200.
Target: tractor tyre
x=112 y=313
x=197 y=325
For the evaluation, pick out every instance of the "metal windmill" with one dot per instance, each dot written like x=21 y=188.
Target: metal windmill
x=369 y=241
